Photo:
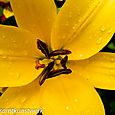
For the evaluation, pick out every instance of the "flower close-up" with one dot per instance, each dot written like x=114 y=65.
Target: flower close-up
x=52 y=62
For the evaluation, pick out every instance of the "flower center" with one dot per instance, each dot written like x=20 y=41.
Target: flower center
x=54 y=62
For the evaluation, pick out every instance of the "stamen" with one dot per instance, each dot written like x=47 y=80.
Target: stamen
x=60 y=52
x=58 y=72
x=64 y=61
x=45 y=72
x=40 y=112
x=50 y=71
x=43 y=47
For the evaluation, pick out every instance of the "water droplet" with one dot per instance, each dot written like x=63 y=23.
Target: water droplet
x=66 y=23
x=82 y=113
x=81 y=55
x=102 y=29
x=99 y=40
x=14 y=75
x=13 y=41
x=109 y=31
x=112 y=59
x=14 y=45
x=18 y=75
x=4 y=57
x=78 y=14
x=23 y=99
x=75 y=100
x=1 y=52
x=74 y=27
x=3 y=36
x=79 y=20
x=112 y=71
x=25 y=53
x=67 y=107
x=70 y=15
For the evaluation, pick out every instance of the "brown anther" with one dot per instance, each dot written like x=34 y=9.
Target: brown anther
x=43 y=76
x=58 y=72
x=40 y=112
x=60 y=52
x=64 y=61
x=38 y=65
x=43 y=47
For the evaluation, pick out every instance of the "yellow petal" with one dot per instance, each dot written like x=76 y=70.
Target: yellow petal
x=36 y=16
x=84 y=27
x=71 y=96
x=18 y=51
x=25 y=97
x=99 y=70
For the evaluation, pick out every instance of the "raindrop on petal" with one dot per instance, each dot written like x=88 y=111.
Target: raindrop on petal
x=18 y=75
x=1 y=52
x=109 y=31
x=112 y=59
x=99 y=40
x=75 y=100
x=25 y=53
x=102 y=29
x=79 y=20
x=81 y=55
x=4 y=57
x=23 y=100
x=67 y=107
x=3 y=36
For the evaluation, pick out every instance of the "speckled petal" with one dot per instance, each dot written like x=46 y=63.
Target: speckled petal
x=37 y=16
x=84 y=27
x=18 y=51
x=22 y=99
x=99 y=70
x=70 y=94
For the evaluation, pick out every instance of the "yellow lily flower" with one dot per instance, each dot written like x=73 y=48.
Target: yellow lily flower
x=82 y=27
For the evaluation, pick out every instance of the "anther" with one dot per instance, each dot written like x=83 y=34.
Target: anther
x=43 y=47
x=44 y=74
x=40 y=112
x=60 y=52
x=58 y=72
x=64 y=61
